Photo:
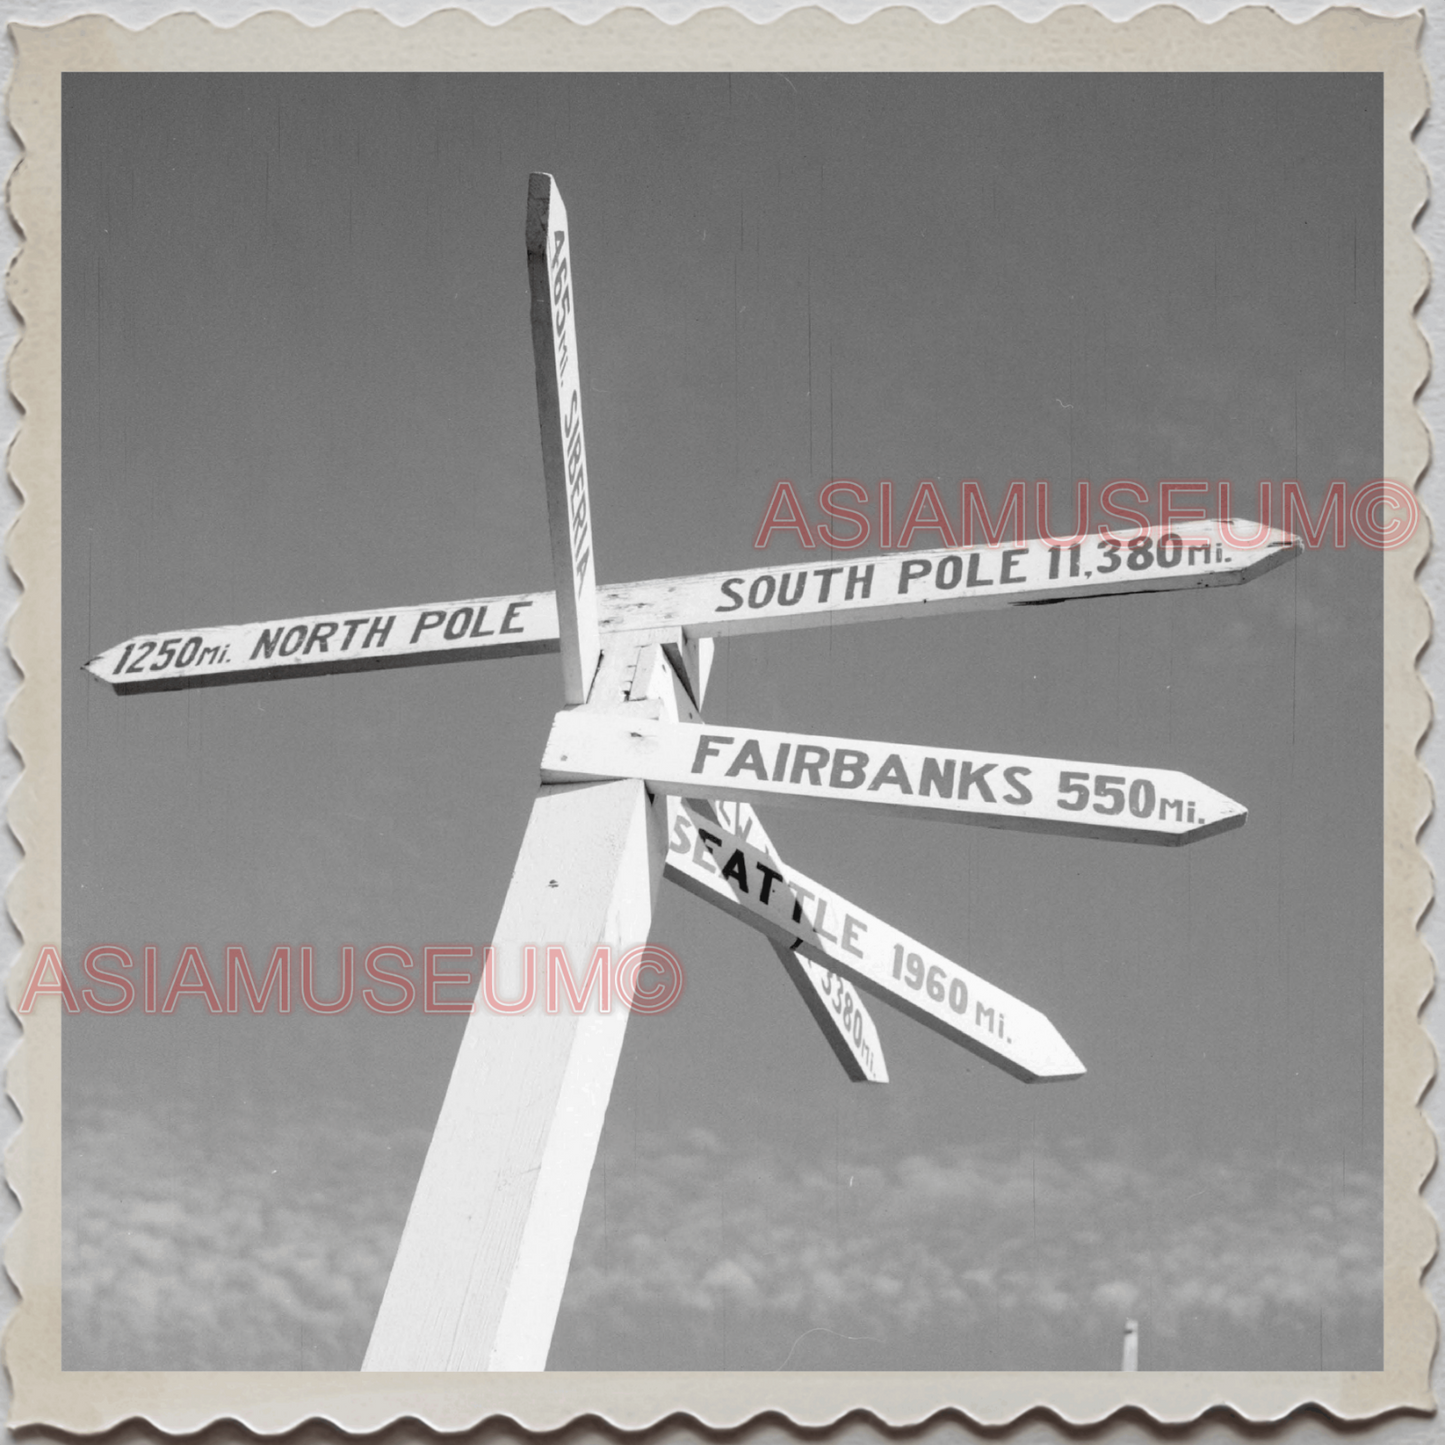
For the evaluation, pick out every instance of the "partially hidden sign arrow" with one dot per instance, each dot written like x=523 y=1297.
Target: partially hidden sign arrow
x=999 y=790
x=802 y=916
x=839 y=1012
x=759 y=599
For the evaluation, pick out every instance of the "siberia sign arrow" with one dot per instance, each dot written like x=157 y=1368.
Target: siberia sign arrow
x=998 y=790
x=564 y=451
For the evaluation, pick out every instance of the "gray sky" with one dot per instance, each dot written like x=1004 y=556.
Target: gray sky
x=299 y=378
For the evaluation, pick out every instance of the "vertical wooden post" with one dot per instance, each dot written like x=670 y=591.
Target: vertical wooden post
x=483 y=1258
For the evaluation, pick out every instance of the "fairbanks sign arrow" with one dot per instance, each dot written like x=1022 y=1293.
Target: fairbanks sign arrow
x=803 y=916
x=998 y=790
x=718 y=604
x=506 y=1173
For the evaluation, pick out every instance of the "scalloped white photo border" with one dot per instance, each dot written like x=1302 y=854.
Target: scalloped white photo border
x=989 y=39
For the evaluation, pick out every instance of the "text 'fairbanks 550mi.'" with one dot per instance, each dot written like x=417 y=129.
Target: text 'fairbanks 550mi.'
x=1000 y=790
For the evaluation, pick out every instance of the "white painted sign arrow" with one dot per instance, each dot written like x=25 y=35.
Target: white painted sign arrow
x=798 y=913
x=999 y=790
x=906 y=584
x=761 y=599
x=564 y=451
x=356 y=641
x=839 y=1012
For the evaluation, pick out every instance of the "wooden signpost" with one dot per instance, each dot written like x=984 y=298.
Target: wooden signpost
x=634 y=784
x=718 y=604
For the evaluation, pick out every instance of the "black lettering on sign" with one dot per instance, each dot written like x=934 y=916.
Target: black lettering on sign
x=702 y=852
x=1195 y=549
x=1013 y=776
x=950 y=572
x=818 y=923
x=969 y=775
x=827 y=574
x=736 y=868
x=974 y=580
x=1141 y=798
x=379 y=630
x=765 y=888
x=1141 y=553
x=892 y=772
x=936 y=777
x=708 y=746
x=1176 y=803
x=351 y=624
x=265 y=644
x=780 y=767
x=783 y=599
x=913 y=568
x=1010 y=558
x=859 y=576
x=512 y=614
x=761 y=592
x=319 y=635
x=848 y=766
x=983 y=1017
x=729 y=590
x=809 y=759
x=428 y=620
x=293 y=639
x=750 y=756
x=851 y=928
x=189 y=649
x=477 y=629
x=679 y=843
x=457 y=624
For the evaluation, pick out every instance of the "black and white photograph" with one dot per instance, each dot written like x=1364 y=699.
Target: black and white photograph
x=723 y=722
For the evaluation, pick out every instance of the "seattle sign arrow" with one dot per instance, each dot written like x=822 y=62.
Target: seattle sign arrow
x=717 y=604
x=997 y=790
x=803 y=916
x=842 y=1018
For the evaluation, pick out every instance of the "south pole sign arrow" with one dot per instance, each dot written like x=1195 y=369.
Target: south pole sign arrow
x=480 y=1269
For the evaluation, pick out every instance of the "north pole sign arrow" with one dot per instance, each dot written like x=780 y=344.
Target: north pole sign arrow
x=997 y=790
